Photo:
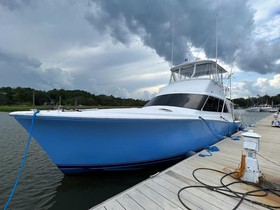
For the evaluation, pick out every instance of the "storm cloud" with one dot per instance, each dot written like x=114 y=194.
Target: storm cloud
x=25 y=71
x=260 y=56
x=124 y=48
x=194 y=25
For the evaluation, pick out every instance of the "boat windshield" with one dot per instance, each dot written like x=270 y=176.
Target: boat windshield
x=191 y=101
x=199 y=69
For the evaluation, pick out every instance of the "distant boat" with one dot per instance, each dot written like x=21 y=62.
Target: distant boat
x=253 y=109
x=265 y=108
x=192 y=112
x=261 y=108
x=275 y=109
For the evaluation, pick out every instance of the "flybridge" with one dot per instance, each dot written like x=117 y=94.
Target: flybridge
x=198 y=69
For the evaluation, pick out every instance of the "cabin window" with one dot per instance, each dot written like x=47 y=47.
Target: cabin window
x=215 y=105
x=191 y=101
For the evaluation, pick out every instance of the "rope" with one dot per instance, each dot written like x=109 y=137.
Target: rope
x=219 y=137
x=239 y=172
x=209 y=150
x=23 y=160
x=225 y=190
x=235 y=138
x=226 y=121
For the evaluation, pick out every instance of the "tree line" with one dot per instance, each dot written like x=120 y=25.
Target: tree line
x=255 y=101
x=24 y=96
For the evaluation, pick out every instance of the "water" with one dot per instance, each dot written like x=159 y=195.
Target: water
x=43 y=186
x=250 y=118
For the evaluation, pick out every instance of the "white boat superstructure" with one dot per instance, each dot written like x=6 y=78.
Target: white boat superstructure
x=203 y=81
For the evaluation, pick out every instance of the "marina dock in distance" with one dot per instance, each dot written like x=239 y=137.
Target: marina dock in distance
x=160 y=191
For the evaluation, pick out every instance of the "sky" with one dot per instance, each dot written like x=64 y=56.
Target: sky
x=124 y=47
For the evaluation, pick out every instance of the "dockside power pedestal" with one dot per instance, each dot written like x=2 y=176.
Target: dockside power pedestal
x=251 y=146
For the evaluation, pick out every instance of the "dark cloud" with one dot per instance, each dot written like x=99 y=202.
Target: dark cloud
x=14 y=4
x=260 y=56
x=151 y=20
x=277 y=11
x=20 y=70
x=97 y=45
x=194 y=25
x=8 y=58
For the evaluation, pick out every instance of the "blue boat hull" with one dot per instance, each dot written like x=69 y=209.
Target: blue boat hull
x=79 y=144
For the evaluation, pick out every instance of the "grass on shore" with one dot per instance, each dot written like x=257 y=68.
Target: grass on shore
x=27 y=108
x=14 y=108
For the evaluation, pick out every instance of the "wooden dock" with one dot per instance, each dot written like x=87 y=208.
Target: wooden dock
x=160 y=191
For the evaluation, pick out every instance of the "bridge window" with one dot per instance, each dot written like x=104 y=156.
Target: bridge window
x=191 y=101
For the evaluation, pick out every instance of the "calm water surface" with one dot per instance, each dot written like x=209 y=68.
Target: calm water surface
x=43 y=186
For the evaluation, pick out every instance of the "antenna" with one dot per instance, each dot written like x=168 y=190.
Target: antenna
x=217 y=33
x=217 y=40
x=230 y=87
x=172 y=41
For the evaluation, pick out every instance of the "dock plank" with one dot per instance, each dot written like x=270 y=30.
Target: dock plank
x=158 y=198
x=172 y=196
x=145 y=201
x=128 y=203
x=160 y=192
x=100 y=208
x=113 y=205
x=225 y=201
x=193 y=192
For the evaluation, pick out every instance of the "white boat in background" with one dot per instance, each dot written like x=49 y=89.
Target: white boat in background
x=253 y=109
x=190 y=113
x=261 y=108
x=275 y=109
x=265 y=108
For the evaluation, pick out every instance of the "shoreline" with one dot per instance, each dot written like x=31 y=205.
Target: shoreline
x=27 y=108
